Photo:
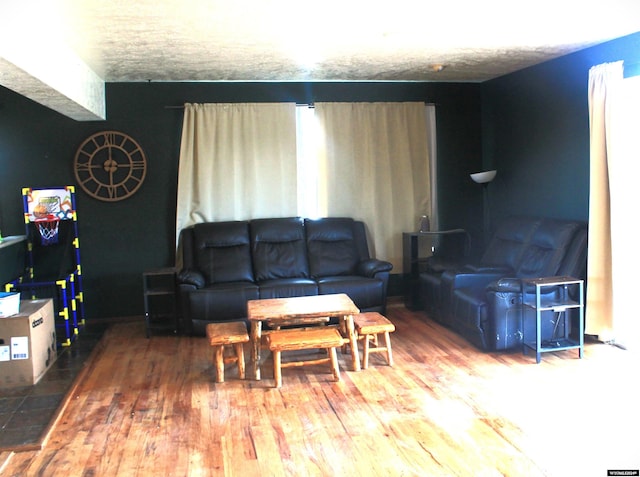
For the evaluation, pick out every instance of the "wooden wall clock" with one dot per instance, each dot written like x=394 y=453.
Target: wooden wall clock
x=110 y=166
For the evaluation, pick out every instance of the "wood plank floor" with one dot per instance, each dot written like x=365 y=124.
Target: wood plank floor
x=151 y=407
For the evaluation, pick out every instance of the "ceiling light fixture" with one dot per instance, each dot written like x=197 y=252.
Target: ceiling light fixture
x=437 y=68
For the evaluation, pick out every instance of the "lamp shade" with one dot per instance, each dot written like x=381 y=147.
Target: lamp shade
x=483 y=177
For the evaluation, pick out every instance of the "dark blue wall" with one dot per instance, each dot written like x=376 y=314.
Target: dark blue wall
x=531 y=125
x=536 y=133
x=121 y=239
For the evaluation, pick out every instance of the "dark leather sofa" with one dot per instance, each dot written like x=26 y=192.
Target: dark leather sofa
x=225 y=264
x=482 y=301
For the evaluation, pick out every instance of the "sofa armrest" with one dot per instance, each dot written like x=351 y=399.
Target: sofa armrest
x=191 y=277
x=373 y=266
x=465 y=279
x=513 y=285
x=506 y=285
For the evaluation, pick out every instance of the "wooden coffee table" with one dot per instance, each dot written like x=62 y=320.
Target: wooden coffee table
x=300 y=308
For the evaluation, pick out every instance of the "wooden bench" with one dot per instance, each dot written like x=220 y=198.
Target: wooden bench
x=311 y=338
x=229 y=333
x=297 y=322
x=369 y=326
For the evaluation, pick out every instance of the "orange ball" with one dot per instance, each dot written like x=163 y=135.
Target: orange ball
x=40 y=211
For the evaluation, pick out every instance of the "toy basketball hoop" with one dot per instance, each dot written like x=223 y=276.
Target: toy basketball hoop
x=48 y=228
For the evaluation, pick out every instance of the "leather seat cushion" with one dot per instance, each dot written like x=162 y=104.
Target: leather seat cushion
x=223 y=252
x=365 y=292
x=331 y=247
x=506 y=245
x=288 y=287
x=278 y=249
x=222 y=301
x=543 y=255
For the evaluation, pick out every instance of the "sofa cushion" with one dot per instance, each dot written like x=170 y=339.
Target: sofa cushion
x=288 y=287
x=507 y=244
x=543 y=255
x=365 y=292
x=222 y=301
x=278 y=248
x=331 y=247
x=223 y=252
x=574 y=263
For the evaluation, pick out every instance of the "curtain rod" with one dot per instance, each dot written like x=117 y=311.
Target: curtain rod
x=311 y=105
x=631 y=69
x=182 y=107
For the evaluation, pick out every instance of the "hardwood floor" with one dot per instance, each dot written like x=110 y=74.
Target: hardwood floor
x=151 y=407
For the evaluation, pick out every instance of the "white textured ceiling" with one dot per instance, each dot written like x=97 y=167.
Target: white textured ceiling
x=332 y=40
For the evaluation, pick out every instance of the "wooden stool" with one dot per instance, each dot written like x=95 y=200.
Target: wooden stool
x=310 y=338
x=230 y=333
x=369 y=326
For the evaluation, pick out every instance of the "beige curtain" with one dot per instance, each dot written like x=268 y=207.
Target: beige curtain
x=237 y=161
x=624 y=169
x=599 y=309
x=433 y=167
x=374 y=166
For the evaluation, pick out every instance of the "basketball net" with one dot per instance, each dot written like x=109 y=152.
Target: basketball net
x=48 y=228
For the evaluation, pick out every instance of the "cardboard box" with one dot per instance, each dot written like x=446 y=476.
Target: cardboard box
x=9 y=304
x=27 y=344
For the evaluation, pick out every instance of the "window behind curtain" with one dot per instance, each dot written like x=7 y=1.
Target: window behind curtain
x=369 y=161
x=307 y=139
x=237 y=161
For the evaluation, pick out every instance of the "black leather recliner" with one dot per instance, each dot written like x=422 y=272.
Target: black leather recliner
x=504 y=300
x=225 y=264
x=482 y=302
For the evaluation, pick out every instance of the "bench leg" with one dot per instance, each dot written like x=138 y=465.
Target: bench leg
x=353 y=342
x=365 y=351
x=277 y=369
x=387 y=342
x=219 y=362
x=240 y=358
x=335 y=369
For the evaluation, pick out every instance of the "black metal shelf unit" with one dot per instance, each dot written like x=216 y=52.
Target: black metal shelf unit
x=160 y=300
x=558 y=295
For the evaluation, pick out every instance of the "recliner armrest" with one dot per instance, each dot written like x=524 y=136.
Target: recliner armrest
x=507 y=284
x=191 y=277
x=372 y=266
x=453 y=279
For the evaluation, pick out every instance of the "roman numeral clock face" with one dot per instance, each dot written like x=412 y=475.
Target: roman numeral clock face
x=110 y=166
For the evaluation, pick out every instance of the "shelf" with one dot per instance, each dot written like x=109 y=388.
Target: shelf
x=560 y=303
x=557 y=306
x=160 y=300
x=162 y=320
x=563 y=344
x=160 y=291
x=551 y=281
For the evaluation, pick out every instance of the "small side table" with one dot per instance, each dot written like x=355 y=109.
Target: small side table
x=160 y=300
x=558 y=301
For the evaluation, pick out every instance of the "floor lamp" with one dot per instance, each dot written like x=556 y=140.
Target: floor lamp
x=484 y=178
